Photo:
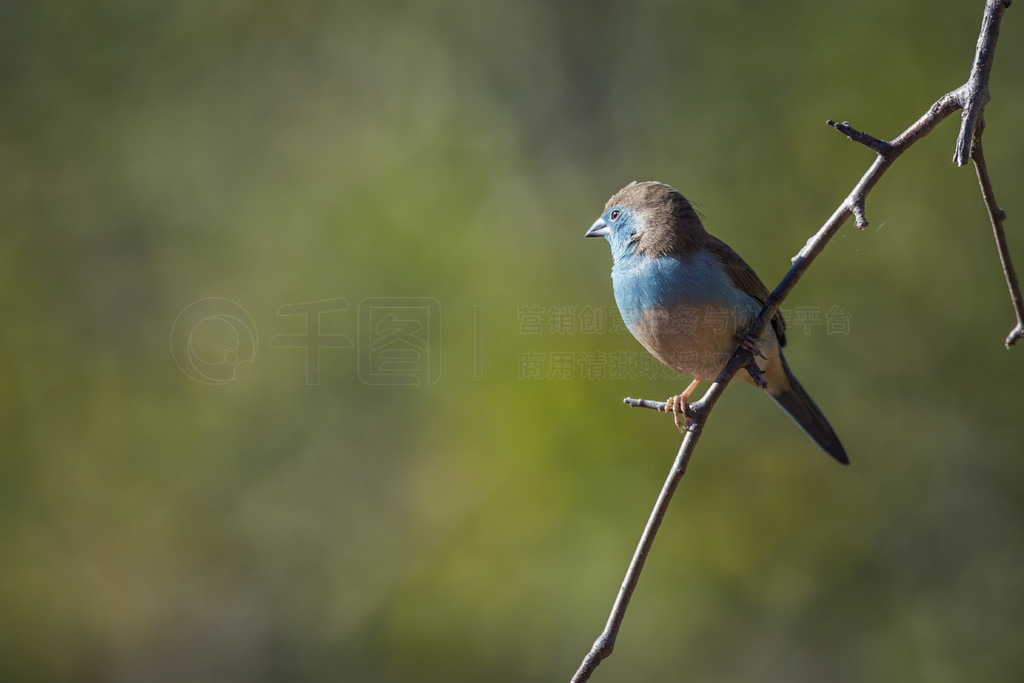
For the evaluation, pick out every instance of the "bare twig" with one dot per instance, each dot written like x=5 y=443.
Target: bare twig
x=872 y=143
x=971 y=97
x=605 y=643
x=997 y=216
x=645 y=403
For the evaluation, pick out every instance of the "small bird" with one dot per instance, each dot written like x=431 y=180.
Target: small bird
x=690 y=299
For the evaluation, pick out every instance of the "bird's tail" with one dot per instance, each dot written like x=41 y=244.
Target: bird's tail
x=806 y=413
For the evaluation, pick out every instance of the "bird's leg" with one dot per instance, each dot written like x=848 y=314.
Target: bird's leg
x=678 y=404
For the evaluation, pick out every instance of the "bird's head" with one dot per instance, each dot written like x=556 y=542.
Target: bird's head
x=649 y=219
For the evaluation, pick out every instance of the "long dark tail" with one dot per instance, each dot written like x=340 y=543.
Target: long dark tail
x=806 y=413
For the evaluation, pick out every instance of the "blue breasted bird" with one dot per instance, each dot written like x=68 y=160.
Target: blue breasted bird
x=689 y=299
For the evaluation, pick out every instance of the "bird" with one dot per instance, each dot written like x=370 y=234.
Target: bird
x=689 y=299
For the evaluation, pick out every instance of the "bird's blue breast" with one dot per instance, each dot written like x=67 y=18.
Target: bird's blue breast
x=642 y=283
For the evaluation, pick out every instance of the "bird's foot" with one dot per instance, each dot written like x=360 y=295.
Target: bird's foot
x=749 y=342
x=677 y=405
x=756 y=375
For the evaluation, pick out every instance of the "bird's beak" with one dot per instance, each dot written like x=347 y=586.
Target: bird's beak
x=598 y=229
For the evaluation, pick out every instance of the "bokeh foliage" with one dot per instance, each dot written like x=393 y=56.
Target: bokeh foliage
x=157 y=528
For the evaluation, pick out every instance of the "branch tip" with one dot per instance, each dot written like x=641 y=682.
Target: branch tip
x=859 y=218
x=880 y=147
x=1015 y=336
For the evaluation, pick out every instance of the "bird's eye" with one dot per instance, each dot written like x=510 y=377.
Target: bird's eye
x=615 y=215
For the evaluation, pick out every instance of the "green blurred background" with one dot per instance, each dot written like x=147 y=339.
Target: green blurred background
x=181 y=183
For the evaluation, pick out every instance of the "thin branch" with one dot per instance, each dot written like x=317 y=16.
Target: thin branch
x=887 y=152
x=605 y=643
x=997 y=216
x=974 y=94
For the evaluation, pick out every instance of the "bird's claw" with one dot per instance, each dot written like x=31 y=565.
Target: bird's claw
x=756 y=375
x=676 y=405
x=749 y=342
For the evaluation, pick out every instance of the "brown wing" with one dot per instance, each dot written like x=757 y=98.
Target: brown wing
x=746 y=280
